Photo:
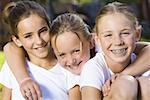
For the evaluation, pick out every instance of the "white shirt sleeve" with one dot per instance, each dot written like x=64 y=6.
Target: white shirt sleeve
x=92 y=75
x=73 y=80
x=5 y=76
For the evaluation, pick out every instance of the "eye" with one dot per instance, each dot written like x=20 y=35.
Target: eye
x=107 y=35
x=125 y=33
x=43 y=30
x=62 y=55
x=28 y=35
x=76 y=52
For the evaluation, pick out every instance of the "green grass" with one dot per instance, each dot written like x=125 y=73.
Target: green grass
x=1 y=63
x=1 y=59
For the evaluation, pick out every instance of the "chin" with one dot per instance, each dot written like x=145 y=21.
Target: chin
x=42 y=55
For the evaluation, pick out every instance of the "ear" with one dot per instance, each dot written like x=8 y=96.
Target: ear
x=92 y=40
x=16 y=41
x=138 y=33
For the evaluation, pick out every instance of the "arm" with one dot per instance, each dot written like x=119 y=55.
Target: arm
x=74 y=93
x=140 y=46
x=90 y=93
x=6 y=93
x=18 y=67
x=141 y=64
x=15 y=57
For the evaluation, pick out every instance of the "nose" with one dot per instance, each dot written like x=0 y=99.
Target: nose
x=70 y=60
x=38 y=40
x=118 y=40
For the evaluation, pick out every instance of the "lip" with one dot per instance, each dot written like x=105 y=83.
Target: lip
x=40 y=47
x=119 y=52
x=76 y=66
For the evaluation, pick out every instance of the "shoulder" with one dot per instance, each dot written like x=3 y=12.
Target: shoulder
x=96 y=62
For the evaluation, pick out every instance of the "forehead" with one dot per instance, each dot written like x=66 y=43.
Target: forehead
x=66 y=41
x=113 y=21
x=31 y=24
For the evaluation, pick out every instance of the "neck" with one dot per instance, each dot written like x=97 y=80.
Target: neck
x=117 y=67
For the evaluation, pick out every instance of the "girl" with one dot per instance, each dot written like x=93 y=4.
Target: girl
x=118 y=30
x=71 y=41
x=29 y=26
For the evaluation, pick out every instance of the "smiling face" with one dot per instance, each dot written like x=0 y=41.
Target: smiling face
x=70 y=51
x=33 y=33
x=117 y=36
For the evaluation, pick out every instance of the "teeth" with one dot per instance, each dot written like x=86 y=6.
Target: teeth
x=119 y=51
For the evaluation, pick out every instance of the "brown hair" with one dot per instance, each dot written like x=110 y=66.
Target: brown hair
x=16 y=11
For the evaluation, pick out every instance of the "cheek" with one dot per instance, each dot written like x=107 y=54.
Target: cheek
x=130 y=40
x=105 y=43
x=26 y=44
x=46 y=37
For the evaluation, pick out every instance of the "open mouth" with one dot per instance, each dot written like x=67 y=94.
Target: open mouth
x=119 y=52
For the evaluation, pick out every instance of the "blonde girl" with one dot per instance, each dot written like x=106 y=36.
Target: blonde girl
x=71 y=42
x=118 y=31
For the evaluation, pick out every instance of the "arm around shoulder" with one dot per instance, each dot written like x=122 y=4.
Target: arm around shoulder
x=6 y=93
x=15 y=57
x=141 y=64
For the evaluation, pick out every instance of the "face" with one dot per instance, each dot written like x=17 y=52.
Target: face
x=33 y=33
x=117 y=37
x=70 y=51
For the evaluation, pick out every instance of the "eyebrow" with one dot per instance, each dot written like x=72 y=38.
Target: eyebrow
x=105 y=32
x=41 y=29
x=24 y=34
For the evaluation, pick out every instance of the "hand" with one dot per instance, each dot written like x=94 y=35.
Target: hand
x=30 y=89
x=106 y=87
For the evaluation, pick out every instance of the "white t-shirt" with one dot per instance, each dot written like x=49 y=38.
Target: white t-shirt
x=54 y=83
x=95 y=71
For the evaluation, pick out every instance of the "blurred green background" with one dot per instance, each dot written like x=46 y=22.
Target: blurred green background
x=1 y=63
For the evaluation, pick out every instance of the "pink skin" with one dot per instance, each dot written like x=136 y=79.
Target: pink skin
x=71 y=52
x=117 y=36
x=34 y=37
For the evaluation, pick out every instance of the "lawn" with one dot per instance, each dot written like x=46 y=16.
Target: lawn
x=1 y=59
x=1 y=63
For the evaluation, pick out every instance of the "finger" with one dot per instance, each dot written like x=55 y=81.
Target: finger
x=38 y=91
x=34 y=94
x=28 y=94
x=26 y=98
x=104 y=89
x=113 y=78
x=23 y=93
x=108 y=84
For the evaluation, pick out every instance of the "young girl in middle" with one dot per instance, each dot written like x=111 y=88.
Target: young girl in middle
x=71 y=41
